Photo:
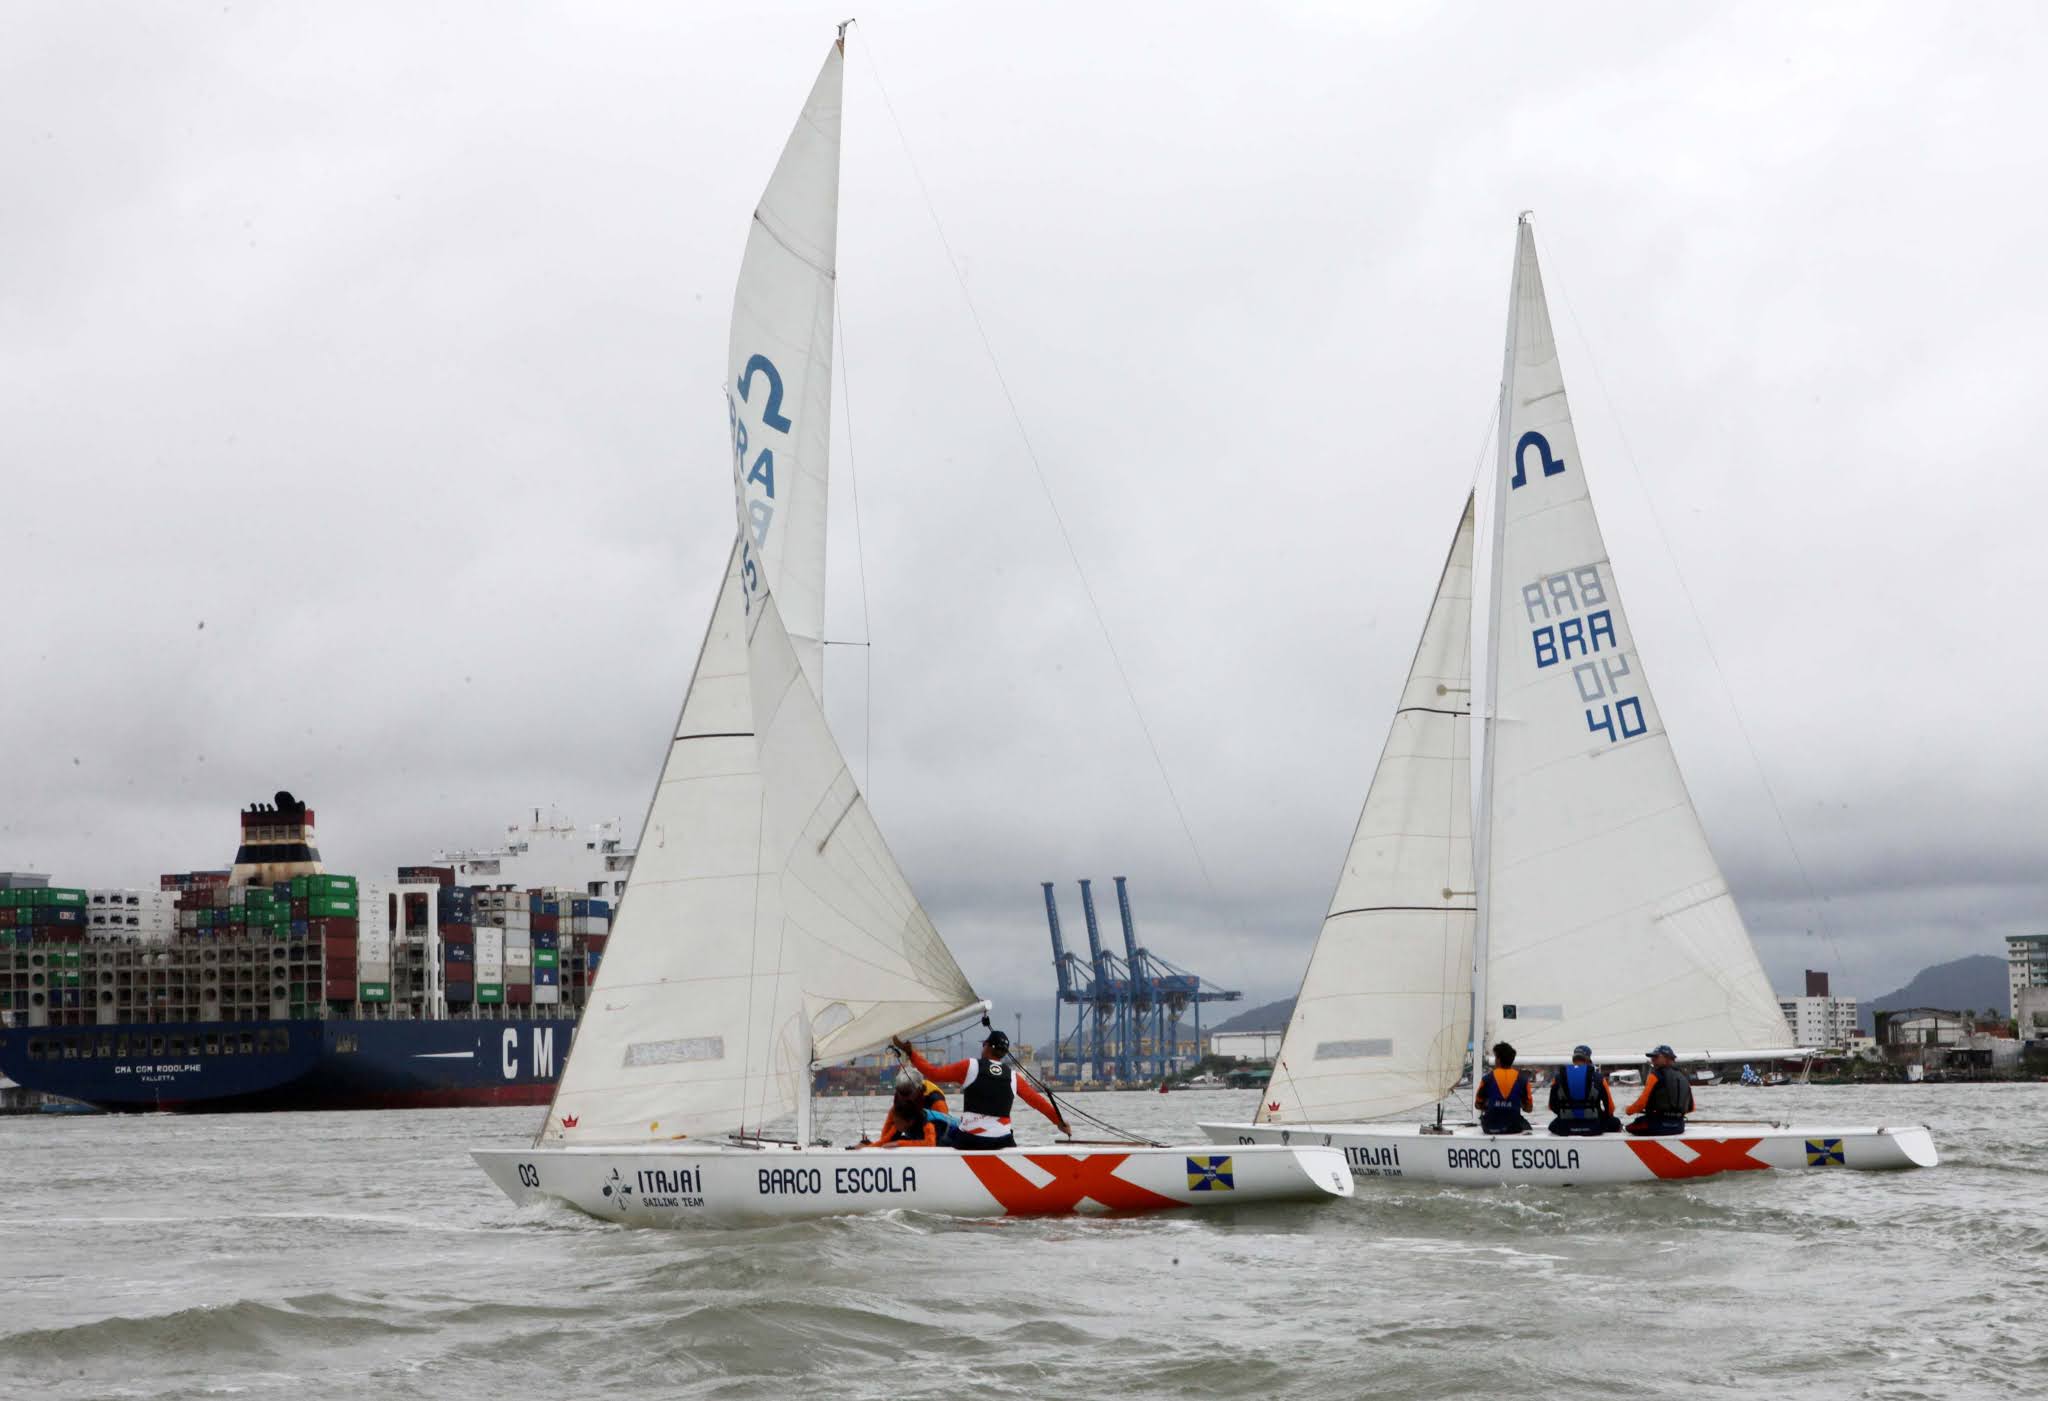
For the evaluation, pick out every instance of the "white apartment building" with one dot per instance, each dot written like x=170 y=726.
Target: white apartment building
x=1820 y=1021
x=2026 y=965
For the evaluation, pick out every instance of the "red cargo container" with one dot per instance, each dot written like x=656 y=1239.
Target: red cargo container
x=333 y=926
x=547 y=924
x=341 y=948
x=519 y=993
x=416 y=875
x=458 y=934
x=594 y=943
x=298 y=909
x=341 y=989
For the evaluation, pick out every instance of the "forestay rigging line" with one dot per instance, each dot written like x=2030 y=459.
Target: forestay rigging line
x=1038 y=472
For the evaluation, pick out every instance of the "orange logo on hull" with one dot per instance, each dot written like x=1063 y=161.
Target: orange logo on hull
x=1074 y=1180
x=1709 y=1157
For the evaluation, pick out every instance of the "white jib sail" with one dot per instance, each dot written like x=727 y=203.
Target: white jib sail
x=779 y=369
x=1608 y=921
x=679 y=1033
x=1380 y=1024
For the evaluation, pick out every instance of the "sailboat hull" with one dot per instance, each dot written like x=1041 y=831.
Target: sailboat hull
x=1467 y=1157
x=677 y=1185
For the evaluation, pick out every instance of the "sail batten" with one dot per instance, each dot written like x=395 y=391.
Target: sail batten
x=1380 y=1022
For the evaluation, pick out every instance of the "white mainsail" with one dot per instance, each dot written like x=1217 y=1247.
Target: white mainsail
x=1605 y=918
x=779 y=370
x=1380 y=1024
x=768 y=927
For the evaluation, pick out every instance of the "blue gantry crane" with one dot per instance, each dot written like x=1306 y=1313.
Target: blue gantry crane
x=1127 y=1011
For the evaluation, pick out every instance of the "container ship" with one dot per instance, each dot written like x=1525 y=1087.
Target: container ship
x=275 y=984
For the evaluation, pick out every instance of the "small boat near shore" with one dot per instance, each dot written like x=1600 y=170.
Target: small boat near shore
x=767 y=930
x=1581 y=905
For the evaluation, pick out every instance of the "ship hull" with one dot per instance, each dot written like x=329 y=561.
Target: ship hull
x=226 y=1067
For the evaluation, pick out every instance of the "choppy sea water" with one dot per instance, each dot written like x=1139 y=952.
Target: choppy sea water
x=347 y=1255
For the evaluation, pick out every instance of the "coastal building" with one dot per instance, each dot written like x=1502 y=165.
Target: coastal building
x=1818 y=1018
x=1922 y=1026
x=2030 y=1011
x=1246 y=1045
x=2026 y=965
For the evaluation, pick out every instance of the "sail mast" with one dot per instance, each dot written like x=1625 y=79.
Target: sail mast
x=1482 y=827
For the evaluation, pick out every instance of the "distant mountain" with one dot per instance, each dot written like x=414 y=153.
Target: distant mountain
x=1977 y=983
x=1271 y=1017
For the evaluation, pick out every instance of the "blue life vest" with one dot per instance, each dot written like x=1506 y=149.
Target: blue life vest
x=1501 y=1112
x=1580 y=1101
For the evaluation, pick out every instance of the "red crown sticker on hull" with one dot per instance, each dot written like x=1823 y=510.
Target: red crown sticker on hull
x=1074 y=1180
x=1709 y=1157
x=568 y=1121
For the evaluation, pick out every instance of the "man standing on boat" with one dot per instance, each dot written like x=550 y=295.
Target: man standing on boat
x=1580 y=1101
x=1503 y=1094
x=989 y=1087
x=1666 y=1098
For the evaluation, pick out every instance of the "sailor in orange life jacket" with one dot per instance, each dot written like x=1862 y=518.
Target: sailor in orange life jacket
x=917 y=1115
x=1502 y=1094
x=988 y=1089
x=1666 y=1098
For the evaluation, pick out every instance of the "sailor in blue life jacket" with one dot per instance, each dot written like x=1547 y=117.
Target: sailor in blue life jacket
x=1580 y=1100
x=1666 y=1098
x=1502 y=1094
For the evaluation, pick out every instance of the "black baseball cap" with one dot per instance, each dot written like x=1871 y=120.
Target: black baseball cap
x=998 y=1042
x=1664 y=1051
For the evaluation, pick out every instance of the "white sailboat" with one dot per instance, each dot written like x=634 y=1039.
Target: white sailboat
x=767 y=929
x=1590 y=909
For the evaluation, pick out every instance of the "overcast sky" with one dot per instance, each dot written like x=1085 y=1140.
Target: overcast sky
x=386 y=343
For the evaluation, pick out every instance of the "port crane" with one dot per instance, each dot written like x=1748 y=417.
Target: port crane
x=1126 y=1010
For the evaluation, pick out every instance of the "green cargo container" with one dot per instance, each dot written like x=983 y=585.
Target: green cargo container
x=300 y=885
x=331 y=906
x=547 y=958
x=72 y=958
x=374 y=992
x=330 y=885
x=490 y=992
x=58 y=896
x=10 y=898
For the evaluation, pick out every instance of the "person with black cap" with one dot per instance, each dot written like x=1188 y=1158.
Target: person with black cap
x=989 y=1087
x=1580 y=1101
x=1666 y=1098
